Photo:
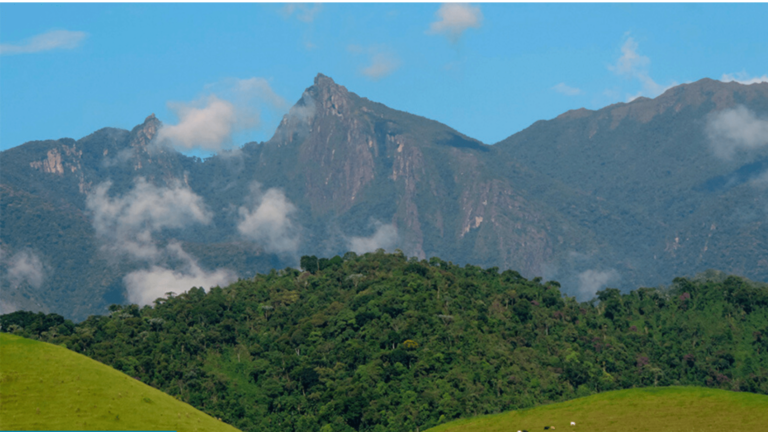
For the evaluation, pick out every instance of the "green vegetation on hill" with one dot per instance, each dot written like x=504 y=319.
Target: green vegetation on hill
x=46 y=387
x=381 y=342
x=636 y=410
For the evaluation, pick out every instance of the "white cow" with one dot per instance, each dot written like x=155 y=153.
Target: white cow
x=573 y=423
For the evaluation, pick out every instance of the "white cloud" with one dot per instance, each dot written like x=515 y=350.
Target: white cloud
x=453 y=19
x=128 y=222
x=635 y=66
x=385 y=237
x=23 y=267
x=567 y=90
x=743 y=78
x=267 y=220
x=736 y=129
x=144 y=286
x=631 y=63
x=304 y=109
x=591 y=281
x=382 y=64
x=204 y=124
x=303 y=12
x=55 y=39
x=381 y=60
x=231 y=105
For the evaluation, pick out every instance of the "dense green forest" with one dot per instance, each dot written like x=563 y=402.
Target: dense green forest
x=382 y=342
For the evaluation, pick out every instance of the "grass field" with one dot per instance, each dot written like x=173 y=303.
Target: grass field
x=678 y=409
x=46 y=387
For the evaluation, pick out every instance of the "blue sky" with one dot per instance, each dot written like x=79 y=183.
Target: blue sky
x=487 y=70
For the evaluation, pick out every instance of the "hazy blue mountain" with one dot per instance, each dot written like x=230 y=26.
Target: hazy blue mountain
x=684 y=193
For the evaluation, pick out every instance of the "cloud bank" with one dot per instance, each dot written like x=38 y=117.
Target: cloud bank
x=591 y=281
x=52 y=40
x=743 y=78
x=127 y=224
x=385 y=237
x=23 y=267
x=267 y=220
x=144 y=286
x=129 y=221
x=453 y=19
x=735 y=129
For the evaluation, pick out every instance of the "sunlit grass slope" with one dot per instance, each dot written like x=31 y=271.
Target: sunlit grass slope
x=678 y=409
x=47 y=387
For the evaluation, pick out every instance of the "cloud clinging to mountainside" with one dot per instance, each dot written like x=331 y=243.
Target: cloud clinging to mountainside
x=230 y=105
x=128 y=222
x=385 y=237
x=592 y=281
x=144 y=286
x=736 y=129
x=206 y=124
x=743 y=78
x=267 y=220
x=23 y=267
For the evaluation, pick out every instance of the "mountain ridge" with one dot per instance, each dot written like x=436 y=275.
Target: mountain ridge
x=625 y=196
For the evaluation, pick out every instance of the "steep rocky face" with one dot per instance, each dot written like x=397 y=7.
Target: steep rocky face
x=360 y=160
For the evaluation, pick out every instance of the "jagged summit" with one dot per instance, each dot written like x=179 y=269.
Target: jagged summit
x=142 y=134
x=324 y=80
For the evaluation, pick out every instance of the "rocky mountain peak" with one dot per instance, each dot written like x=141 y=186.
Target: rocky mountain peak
x=142 y=134
x=330 y=98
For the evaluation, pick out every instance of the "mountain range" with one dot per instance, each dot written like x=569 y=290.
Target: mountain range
x=630 y=195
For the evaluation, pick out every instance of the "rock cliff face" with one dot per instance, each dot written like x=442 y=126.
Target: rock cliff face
x=628 y=195
x=354 y=158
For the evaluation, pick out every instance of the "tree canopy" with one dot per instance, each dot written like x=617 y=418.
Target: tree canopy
x=381 y=342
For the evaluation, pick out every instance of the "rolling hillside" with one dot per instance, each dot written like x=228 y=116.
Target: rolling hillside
x=670 y=409
x=381 y=342
x=47 y=387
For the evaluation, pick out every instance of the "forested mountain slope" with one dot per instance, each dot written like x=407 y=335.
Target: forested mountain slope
x=684 y=176
x=381 y=342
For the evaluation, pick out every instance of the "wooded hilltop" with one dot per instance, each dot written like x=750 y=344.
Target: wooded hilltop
x=381 y=342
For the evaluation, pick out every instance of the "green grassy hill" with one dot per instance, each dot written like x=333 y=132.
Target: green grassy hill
x=678 y=409
x=47 y=387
